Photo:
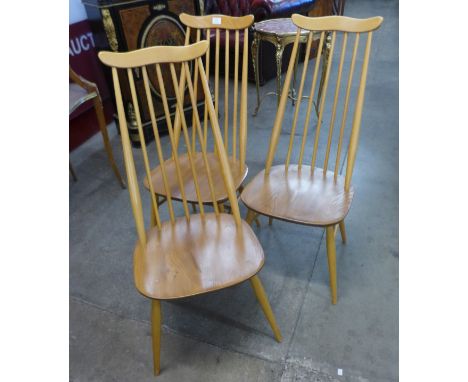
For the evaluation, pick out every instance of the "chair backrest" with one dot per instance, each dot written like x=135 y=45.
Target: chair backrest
x=327 y=27
x=139 y=61
x=231 y=26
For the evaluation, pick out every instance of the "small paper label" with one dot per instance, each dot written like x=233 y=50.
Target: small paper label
x=340 y=371
x=216 y=20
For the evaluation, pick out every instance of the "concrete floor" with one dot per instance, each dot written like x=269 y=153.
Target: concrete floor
x=224 y=336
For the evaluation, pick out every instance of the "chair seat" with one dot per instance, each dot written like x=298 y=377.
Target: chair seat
x=189 y=258
x=78 y=96
x=220 y=192
x=298 y=196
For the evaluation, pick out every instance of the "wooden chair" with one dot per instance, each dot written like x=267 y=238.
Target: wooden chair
x=195 y=253
x=303 y=193
x=82 y=91
x=234 y=120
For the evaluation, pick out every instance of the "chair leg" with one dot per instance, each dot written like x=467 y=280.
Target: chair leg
x=156 y=334
x=270 y=220
x=343 y=231
x=72 y=172
x=153 y=216
x=194 y=208
x=105 y=137
x=263 y=300
x=257 y=222
x=250 y=216
x=331 y=254
x=221 y=207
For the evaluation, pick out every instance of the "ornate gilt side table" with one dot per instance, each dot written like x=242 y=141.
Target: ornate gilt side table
x=280 y=33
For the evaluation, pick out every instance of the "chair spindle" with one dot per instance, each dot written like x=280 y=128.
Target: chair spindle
x=311 y=98
x=226 y=90
x=299 y=99
x=353 y=142
x=335 y=101
x=346 y=106
x=157 y=139
x=172 y=140
x=323 y=101
x=136 y=108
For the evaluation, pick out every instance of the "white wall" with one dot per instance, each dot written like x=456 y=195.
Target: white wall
x=76 y=11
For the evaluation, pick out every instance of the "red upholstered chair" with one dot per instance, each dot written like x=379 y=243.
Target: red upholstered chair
x=81 y=91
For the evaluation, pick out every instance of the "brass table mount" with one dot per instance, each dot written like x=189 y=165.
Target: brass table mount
x=280 y=33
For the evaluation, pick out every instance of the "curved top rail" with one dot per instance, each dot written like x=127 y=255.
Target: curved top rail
x=153 y=55
x=217 y=21
x=337 y=23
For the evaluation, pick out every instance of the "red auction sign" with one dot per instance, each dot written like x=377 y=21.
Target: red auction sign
x=84 y=61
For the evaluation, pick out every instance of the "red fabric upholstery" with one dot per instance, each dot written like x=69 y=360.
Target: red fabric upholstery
x=262 y=10
x=228 y=7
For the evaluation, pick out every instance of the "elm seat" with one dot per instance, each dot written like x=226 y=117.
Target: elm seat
x=189 y=258
x=299 y=197
x=221 y=195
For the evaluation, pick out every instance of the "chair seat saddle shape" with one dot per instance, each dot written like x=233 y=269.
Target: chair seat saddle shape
x=221 y=195
x=189 y=258
x=299 y=196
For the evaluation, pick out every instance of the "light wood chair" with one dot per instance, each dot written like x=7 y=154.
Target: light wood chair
x=304 y=193
x=81 y=91
x=234 y=114
x=195 y=253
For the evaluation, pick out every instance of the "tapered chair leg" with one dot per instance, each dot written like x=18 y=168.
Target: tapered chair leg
x=263 y=300
x=156 y=334
x=331 y=254
x=343 y=232
x=221 y=207
x=257 y=222
x=250 y=216
x=153 y=216
x=105 y=137
x=270 y=220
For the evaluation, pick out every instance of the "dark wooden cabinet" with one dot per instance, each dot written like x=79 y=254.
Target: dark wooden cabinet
x=128 y=25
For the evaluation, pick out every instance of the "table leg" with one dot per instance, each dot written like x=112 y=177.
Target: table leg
x=255 y=49
x=293 y=89
x=279 y=60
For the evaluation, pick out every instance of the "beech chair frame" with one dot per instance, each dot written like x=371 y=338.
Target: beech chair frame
x=330 y=194
x=158 y=262
x=235 y=118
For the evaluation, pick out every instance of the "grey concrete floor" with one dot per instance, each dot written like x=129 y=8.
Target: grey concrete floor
x=224 y=336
